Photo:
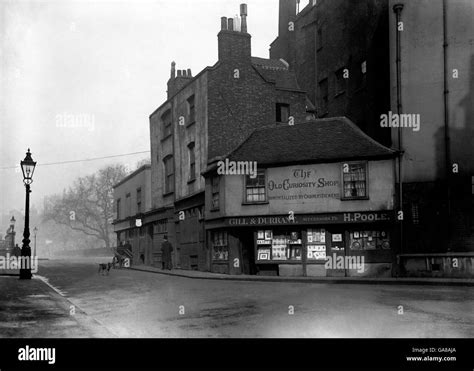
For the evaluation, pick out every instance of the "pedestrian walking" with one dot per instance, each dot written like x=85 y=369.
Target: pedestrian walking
x=166 y=249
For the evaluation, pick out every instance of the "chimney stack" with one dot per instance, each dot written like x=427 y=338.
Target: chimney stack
x=243 y=16
x=233 y=39
x=175 y=83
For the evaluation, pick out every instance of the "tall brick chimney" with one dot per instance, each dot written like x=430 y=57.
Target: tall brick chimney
x=177 y=82
x=234 y=45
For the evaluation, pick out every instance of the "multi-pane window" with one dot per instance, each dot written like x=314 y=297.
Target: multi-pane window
x=139 y=200
x=282 y=112
x=220 y=248
x=215 y=192
x=191 y=110
x=354 y=180
x=255 y=187
x=169 y=174
x=160 y=226
x=192 y=161
x=323 y=94
x=166 y=121
x=118 y=208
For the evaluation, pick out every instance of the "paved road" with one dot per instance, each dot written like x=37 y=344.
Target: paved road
x=140 y=304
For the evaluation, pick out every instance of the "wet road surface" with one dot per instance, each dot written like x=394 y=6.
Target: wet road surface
x=132 y=303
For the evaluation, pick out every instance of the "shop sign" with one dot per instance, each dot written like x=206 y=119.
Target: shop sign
x=340 y=218
x=304 y=182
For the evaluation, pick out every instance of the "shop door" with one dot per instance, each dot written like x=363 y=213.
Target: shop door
x=335 y=254
x=248 y=253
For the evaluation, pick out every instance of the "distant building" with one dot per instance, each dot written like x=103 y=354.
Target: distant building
x=204 y=118
x=132 y=197
x=339 y=51
x=324 y=191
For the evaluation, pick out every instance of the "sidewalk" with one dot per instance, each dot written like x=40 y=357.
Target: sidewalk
x=347 y=280
x=32 y=309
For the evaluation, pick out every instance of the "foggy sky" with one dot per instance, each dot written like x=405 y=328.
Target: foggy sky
x=107 y=64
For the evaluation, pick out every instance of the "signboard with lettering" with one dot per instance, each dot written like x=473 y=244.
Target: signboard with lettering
x=303 y=183
x=336 y=218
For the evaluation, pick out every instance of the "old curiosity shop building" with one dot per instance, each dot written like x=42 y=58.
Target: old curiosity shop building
x=324 y=193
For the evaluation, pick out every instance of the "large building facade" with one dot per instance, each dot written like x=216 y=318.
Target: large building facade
x=339 y=51
x=203 y=119
x=434 y=81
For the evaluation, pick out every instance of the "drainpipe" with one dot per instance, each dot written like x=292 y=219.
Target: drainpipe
x=397 y=8
x=447 y=139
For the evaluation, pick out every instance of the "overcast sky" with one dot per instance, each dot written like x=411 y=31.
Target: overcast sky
x=106 y=63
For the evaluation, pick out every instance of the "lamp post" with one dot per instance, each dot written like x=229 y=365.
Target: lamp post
x=28 y=168
x=12 y=231
x=34 y=251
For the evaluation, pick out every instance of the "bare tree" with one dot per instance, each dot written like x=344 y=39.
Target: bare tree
x=88 y=206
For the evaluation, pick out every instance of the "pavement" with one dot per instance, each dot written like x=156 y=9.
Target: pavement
x=32 y=308
x=346 y=280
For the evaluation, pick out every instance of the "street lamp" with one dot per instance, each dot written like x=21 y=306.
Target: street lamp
x=12 y=231
x=28 y=168
x=36 y=231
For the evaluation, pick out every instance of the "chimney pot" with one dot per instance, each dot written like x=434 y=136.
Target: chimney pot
x=189 y=72
x=230 y=24
x=173 y=70
x=223 y=23
x=179 y=73
x=243 y=16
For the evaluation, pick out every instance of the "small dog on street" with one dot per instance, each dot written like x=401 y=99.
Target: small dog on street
x=104 y=268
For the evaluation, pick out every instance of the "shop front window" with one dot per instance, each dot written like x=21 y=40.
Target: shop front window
x=316 y=244
x=369 y=240
x=279 y=246
x=255 y=188
x=354 y=180
x=220 y=247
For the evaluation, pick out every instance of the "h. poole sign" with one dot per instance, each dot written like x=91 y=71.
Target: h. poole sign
x=336 y=218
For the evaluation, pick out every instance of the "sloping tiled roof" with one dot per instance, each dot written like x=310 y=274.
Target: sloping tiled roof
x=321 y=140
x=275 y=71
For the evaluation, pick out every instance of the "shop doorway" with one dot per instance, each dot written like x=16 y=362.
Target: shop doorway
x=335 y=253
x=248 y=253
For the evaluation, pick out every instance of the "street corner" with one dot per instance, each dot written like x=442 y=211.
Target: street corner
x=32 y=308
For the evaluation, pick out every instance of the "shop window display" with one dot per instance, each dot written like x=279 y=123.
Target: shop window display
x=316 y=240
x=369 y=240
x=278 y=247
x=220 y=248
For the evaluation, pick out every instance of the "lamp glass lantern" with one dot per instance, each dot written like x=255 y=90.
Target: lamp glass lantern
x=28 y=168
